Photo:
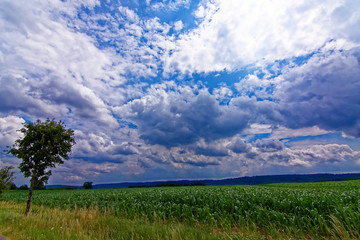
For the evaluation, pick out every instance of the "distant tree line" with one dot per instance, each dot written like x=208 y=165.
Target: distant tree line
x=38 y=186
x=6 y=178
x=41 y=186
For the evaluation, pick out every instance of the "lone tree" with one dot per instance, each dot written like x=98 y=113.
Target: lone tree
x=6 y=178
x=88 y=185
x=43 y=145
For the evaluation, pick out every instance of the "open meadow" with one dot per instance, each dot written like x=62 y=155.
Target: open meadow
x=326 y=210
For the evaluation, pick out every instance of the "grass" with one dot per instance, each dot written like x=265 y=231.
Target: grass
x=45 y=223
x=329 y=210
x=55 y=223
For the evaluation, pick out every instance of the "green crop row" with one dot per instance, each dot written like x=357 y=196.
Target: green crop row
x=314 y=208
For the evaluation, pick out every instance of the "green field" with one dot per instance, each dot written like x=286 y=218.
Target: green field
x=304 y=210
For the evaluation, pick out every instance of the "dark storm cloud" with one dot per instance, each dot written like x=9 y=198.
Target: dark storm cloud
x=238 y=146
x=171 y=121
x=199 y=161
x=259 y=111
x=323 y=92
x=211 y=150
x=60 y=92
x=50 y=97
x=269 y=145
x=122 y=149
x=14 y=98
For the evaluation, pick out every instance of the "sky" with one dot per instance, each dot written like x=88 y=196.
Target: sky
x=181 y=89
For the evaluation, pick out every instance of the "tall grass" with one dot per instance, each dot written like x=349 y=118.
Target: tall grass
x=302 y=210
x=61 y=224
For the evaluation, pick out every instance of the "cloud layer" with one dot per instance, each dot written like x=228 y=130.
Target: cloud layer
x=186 y=89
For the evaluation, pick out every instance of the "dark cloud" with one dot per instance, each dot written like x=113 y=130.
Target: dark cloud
x=265 y=111
x=196 y=160
x=46 y=96
x=323 y=92
x=122 y=149
x=60 y=92
x=238 y=146
x=211 y=151
x=14 y=97
x=269 y=145
x=172 y=121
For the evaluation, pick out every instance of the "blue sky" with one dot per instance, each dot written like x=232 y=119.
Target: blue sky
x=181 y=89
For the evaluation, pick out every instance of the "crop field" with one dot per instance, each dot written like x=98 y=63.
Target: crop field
x=315 y=210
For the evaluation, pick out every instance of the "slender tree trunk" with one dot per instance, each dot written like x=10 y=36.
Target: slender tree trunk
x=32 y=183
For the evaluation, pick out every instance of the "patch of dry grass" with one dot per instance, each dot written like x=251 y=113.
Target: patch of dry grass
x=52 y=223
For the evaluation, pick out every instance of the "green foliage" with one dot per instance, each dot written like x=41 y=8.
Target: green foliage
x=39 y=185
x=88 y=185
x=23 y=187
x=6 y=178
x=44 y=144
x=13 y=186
x=296 y=209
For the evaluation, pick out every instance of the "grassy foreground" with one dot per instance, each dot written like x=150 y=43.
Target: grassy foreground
x=54 y=223
x=329 y=210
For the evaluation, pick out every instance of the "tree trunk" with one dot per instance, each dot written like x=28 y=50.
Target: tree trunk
x=32 y=183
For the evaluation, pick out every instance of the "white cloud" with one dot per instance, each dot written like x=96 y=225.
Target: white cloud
x=257 y=128
x=76 y=171
x=8 y=129
x=178 y=25
x=303 y=156
x=130 y=14
x=89 y=71
x=238 y=33
x=172 y=5
x=255 y=86
x=40 y=52
x=222 y=94
x=283 y=132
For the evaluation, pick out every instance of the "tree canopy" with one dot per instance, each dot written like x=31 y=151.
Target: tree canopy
x=88 y=185
x=43 y=145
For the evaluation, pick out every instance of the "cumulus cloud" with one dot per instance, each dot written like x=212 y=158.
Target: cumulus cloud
x=104 y=145
x=214 y=149
x=264 y=154
x=47 y=68
x=261 y=155
x=8 y=129
x=77 y=171
x=178 y=25
x=237 y=145
x=113 y=76
x=223 y=94
x=173 y=117
x=136 y=44
x=313 y=155
x=171 y=5
x=281 y=132
x=269 y=145
x=233 y=34
x=323 y=92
